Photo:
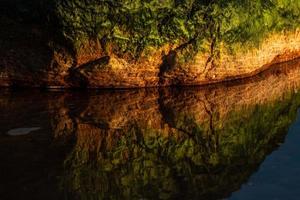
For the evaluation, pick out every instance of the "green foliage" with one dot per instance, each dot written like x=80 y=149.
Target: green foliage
x=250 y=21
x=130 y=25
x=133 y=25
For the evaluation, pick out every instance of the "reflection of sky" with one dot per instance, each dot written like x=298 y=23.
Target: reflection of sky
x=279 y=175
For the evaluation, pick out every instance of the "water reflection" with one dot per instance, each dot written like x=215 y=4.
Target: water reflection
x=184 y=143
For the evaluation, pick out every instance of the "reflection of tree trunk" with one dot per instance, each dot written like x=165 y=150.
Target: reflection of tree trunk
x=211 y=131
x=62 y=123
x=167 y=112
x=212 y=113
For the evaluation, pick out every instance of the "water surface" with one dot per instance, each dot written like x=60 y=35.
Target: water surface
x=228 y=141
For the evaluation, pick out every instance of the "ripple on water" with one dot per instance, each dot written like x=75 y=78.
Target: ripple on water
x=22 y=131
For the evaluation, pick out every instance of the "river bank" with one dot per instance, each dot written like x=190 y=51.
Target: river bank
x=140 y=44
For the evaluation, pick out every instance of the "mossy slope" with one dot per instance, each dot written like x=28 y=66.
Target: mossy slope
x=154 y=42
x=133 y=26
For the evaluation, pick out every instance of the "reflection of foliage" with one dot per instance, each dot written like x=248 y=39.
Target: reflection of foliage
x=265 y=122
x=141 y=162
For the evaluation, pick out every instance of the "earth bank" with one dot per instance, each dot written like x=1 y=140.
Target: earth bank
x=122 y=44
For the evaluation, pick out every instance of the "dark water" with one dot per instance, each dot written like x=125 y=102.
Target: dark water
x=231 y=141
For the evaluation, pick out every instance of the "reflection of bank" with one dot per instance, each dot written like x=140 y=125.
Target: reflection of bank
x=175 y=143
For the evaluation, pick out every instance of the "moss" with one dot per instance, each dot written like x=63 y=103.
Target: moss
x=133 y=26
